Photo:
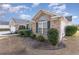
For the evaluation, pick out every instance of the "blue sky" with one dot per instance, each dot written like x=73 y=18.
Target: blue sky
x=28 y=10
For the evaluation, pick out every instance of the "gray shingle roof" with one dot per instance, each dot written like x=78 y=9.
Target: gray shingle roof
x=69 y=18
x=21 y=21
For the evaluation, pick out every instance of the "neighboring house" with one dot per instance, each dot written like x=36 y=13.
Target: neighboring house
x=4 y=25
x=45 y=20
x=4 y=28
x=15 y=24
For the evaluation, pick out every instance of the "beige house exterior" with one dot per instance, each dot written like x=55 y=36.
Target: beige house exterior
x=16 y=23
x=44 y=20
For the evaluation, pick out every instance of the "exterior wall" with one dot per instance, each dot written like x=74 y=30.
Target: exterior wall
x=42 y=14
x=54 y=23
x=13 y=23
x=4 y=26
x=62 y=28
x=33 y=27
x=37 y=20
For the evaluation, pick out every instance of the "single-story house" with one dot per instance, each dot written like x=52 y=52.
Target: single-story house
x=15 y=24
x=4 y=26
x=44 y=20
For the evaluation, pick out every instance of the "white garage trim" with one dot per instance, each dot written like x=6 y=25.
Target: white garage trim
x=13 y=29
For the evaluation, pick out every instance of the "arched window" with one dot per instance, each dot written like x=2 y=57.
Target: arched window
x=43 y=18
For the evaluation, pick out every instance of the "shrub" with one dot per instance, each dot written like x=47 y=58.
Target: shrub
x=70 y=30
x=53 y=36
x=21 y=27
x=33 y=36
x=21 y=32
x=25 y=32
x=40 y=38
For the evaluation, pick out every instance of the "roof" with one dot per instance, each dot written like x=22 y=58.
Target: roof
x=52 y=14
x=69 y=18
x=21 y=21
x=46 y=12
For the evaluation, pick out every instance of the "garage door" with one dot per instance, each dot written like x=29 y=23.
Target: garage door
x=13 y=29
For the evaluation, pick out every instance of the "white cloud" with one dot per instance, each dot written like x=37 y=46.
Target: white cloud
x=74 y=17
x=59 y=8
x=66 y=14
x=52 y=4
x=18 y=8
x=13 y=9
x=23 y=16
x=5 y=6
x=2 y=13
x=35 y=4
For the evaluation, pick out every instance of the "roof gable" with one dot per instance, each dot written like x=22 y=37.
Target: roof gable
x=19 y=21
x=45 y=13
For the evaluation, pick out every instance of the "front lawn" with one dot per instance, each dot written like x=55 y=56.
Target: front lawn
x=33 y=47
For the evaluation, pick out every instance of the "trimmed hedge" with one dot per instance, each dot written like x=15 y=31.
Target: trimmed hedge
x=24 y=32
x=53 y=36
x=70 y=30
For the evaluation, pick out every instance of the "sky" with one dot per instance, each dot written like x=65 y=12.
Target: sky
x=28 y=10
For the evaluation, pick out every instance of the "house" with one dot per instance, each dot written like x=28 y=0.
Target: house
x=44 y=20
x=4 y=25
x=15 y=24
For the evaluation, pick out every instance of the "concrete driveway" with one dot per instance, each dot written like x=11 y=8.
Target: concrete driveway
x=4 y=33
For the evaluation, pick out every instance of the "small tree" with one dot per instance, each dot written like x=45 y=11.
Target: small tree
x=70 y=30
x=53 y=36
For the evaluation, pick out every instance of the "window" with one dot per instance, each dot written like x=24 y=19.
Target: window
x=42 y=25
x=43 y=18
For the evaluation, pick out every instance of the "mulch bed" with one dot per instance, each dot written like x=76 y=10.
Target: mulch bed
x=43 y=45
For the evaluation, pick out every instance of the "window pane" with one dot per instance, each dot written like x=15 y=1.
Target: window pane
x=40 y=30
x=40 y=25
x=45 y=24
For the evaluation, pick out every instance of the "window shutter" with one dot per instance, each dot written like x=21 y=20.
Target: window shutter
x=48 y=24
x=36 y=27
